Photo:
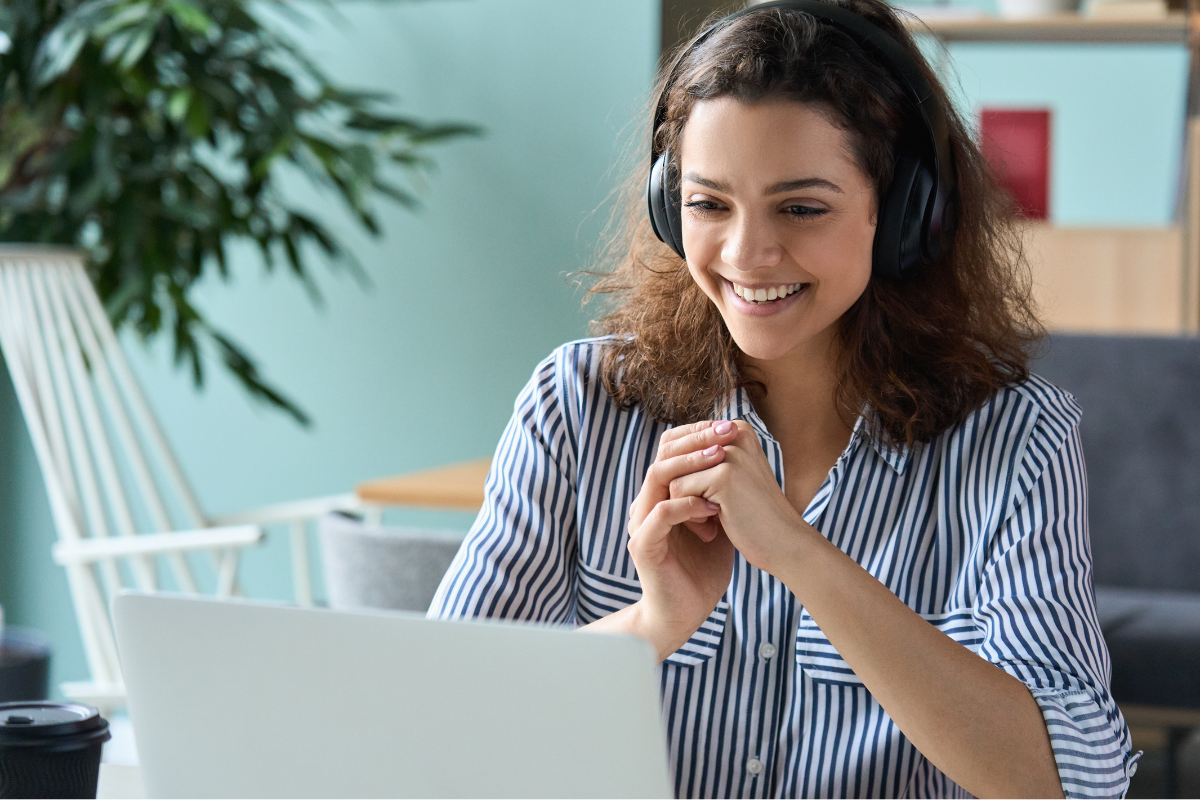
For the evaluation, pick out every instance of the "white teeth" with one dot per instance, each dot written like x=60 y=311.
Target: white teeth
x=766 y=295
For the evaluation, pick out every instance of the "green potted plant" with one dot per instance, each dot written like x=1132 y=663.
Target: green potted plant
x=153 y=134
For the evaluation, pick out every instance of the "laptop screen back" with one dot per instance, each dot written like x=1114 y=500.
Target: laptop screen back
x=238 y=699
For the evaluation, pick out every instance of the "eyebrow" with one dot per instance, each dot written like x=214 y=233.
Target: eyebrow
x=785 y=186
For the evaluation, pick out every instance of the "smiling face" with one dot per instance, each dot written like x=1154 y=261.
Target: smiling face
x=778 y=221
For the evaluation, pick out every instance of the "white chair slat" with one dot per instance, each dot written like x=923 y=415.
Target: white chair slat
x=31 y=381
x=73 y=398
x=114 y=408
x=17 y=358
x=72 y=341
x=220 y=539
x=43 y=390
x=80 y=415
x=108 y=470
x=133 y=394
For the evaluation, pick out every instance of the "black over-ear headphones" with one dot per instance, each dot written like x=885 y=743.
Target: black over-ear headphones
x=917 y=212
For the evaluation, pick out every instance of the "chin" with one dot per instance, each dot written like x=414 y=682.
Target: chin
x=761 y=343
x=765 y=348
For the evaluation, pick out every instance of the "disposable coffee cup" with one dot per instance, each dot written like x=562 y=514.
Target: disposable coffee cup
x=50 y=749
x=24 y=665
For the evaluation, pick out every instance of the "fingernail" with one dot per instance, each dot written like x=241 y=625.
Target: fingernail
x=712 y=506
x=710 y=451
x=723 y=427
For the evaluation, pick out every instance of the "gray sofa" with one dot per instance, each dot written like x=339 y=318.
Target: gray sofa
x=1141 y=440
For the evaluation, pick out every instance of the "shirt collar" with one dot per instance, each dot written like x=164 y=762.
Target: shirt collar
x=896 y=456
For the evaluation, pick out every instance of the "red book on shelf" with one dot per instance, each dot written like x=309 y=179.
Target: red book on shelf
x=1016 y=144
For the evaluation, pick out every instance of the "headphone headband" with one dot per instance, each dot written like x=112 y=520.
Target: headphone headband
x=928 y=171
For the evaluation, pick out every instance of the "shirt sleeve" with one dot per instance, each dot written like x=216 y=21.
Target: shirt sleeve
x=1037 y=609
x=517 y=561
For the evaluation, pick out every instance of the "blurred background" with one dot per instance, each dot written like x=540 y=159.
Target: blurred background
x=469 y=291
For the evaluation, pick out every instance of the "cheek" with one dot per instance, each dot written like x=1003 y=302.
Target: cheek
x=703 y=278
x=840 y=261
x=701 y=251
x=854 y=275
x=852 y=248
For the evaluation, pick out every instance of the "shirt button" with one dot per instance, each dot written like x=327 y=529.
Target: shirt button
x=754 y=766
x=766 y=650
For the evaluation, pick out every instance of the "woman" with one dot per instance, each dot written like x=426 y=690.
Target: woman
x=808 y=462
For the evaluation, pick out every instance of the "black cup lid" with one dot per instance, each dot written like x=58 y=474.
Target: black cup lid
x=46 y=723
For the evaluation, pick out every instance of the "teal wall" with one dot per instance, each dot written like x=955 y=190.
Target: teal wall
x=1116 y=121
x=468 y=294
x=471 y=292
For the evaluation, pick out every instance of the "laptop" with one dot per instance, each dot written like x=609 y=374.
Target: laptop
x=243 y=699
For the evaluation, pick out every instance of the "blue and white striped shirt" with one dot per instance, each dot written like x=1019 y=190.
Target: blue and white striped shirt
x=982 y=531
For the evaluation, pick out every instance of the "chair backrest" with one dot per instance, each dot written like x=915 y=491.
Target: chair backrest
x=378 y=566
x=1141 y=437
x=106 y=465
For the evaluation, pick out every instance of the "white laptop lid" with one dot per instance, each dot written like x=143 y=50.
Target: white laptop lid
x=239 y=699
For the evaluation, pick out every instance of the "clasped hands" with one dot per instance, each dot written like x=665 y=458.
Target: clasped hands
x=710 y=492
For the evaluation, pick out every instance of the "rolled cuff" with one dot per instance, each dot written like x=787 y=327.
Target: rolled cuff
x=1091 y=746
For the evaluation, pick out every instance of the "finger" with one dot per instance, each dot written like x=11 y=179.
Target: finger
x=679 y=431
x=663 y=472
x=665 y=516
x=697 y=484
x=705 y=529
x=708 y=434
x=660 y=474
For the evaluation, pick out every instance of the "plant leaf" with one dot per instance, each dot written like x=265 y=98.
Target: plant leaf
x=56 y=54
x=126 y=17
x=156 y=133
x=137 y=48
x=241 y=365
x=177 y=108
x=190 y=17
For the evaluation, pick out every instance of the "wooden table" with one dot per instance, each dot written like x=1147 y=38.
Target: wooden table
x=455 y=487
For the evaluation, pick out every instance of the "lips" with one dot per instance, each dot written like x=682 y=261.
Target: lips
x=737 y=294
x=768 y=294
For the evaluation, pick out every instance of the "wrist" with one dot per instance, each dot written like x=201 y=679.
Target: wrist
x=798 y=555
x=664 y=637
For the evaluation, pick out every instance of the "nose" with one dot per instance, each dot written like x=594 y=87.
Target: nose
x=751 y=243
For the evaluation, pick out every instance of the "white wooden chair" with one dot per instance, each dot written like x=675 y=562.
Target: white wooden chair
x=124 y=514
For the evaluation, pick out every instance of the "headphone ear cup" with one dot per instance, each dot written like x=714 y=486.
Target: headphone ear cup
x=901 y=229
x=666 y=218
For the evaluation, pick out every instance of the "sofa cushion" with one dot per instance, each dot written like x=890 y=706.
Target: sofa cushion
x=1141 y=439
x=1154 y=640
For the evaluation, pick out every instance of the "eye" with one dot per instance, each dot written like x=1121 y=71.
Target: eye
x=805 y=212
x=702 y=207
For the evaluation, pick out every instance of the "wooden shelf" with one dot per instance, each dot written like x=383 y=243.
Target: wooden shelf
x=1108 y=280
x=1058 y=28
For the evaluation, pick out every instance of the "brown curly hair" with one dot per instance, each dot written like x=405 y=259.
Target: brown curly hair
x=920 y=354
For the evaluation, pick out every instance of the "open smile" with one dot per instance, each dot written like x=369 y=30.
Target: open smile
x=762 y=301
